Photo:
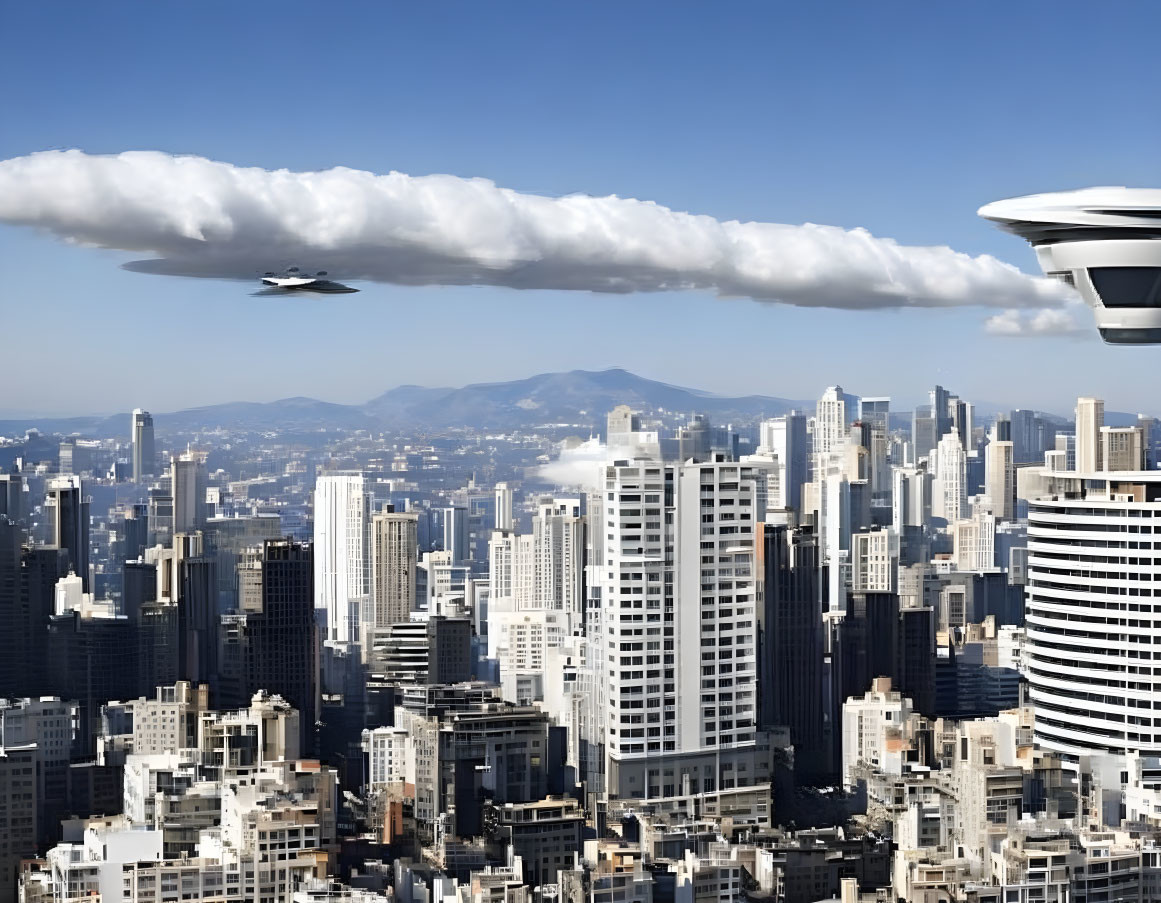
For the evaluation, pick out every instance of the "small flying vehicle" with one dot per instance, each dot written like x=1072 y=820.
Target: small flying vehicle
x=295 y=281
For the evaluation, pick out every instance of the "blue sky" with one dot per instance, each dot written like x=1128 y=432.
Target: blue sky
x=902 y=118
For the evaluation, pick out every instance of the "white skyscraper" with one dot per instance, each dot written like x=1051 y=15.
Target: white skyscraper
x=503 y=506
x=831 y=419
x=536 y=598
x=785 y=439
x=677 y=590
x=1090 y=417
x=341 y=554
x=1090 y=624
x=974 y=542
x=949 y=497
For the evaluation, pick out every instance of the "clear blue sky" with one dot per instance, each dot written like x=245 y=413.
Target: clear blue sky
x=900 y=117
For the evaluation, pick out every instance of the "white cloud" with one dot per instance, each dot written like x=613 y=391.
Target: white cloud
x=204 y=218
x=1031 y=324
x=578 y=466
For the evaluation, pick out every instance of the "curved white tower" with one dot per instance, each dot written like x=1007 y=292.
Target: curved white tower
x=1093 y=614
x=1104 y=241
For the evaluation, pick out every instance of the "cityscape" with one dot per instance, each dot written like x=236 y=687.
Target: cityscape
x=578 y=455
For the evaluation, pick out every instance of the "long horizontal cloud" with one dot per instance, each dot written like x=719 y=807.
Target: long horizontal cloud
x=198 y=217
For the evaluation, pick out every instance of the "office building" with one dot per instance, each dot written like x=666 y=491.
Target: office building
x=18 y=814
x=681 y=686
x=342 y=579
x=1087 y=620
x=949 y=493
x=1000 y=477
x=503 y=520
x=1090 y=417
x=69 y=523
x=280 y=645
x=785 y=439
x=144 y=451
x=394 y=556
x=1122 y=448
x=456 y=537
x=188 y=490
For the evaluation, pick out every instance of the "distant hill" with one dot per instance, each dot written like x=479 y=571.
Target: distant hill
x=576 y=396
x=579 y=396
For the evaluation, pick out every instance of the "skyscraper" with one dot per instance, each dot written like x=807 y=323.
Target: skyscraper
x=1090 y=627
x=394 y=553
x=12 y=496
x=185 y=577
x=341 y=554
x=1090 y=417
x=949 y=499
x=144 y=452
x=281 y=654
x=1000 y=477
x=680 y=627
x=456 y=537
x=503 y=507
x=536 y=598
x=834 y=413
x=69 y=524
x=785 y=438
x=791 y=644
x=188 y=488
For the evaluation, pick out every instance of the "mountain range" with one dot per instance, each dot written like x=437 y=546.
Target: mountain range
x=578 y=397
x=581 y=397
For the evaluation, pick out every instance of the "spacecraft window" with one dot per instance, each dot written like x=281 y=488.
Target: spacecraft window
x=1127 y=286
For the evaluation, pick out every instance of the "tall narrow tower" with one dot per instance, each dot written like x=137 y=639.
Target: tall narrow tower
x=341 y=560
x=144 y=453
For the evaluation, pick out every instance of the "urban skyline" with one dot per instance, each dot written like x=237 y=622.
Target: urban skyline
x=580 y=454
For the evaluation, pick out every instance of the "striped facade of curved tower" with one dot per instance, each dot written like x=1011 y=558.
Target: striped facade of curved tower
x=1093 y=614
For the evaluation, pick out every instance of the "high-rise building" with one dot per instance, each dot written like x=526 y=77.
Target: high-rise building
x=394 y=554
x=342 y=580
x=923 y=432
x=12 y=496
x=51 y=726
x=876 y=414
x=536 y=594
x=785 y=439
x=694 y=439
x=188 y=489
x=1083 y=623
x=185 y=578
x=503 y=507
x=1090 y=417
x=790 y=640
x=833 y=415
x=28 y=579
x=1122 y=448
x=1000 y=477
x=69 y=524
x=18 y=815
x=874 y=561
x=678 y=592
x=281 y=654
x=949 y=496
x=144 y=452
x=456 y=537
